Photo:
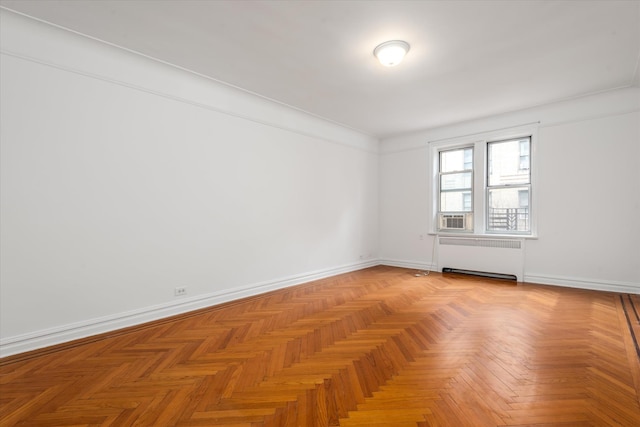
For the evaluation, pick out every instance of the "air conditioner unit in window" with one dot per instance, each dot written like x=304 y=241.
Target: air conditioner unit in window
x=453 y=221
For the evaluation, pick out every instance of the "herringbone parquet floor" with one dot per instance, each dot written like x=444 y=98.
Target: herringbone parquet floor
x=378 y=347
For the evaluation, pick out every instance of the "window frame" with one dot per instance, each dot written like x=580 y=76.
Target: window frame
x=480 y=189
x=489 y=186
x=468 y=215
x=471 y=188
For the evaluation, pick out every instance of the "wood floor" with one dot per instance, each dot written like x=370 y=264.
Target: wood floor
x=378 y=347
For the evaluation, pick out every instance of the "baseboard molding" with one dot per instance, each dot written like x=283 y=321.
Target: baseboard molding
x=418 y=265
x=569 y=282
x=55 y=336
x=582 y=283
x=59 y=335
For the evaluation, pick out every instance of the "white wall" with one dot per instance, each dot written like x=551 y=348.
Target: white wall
x=123 y=178
x=588 y=160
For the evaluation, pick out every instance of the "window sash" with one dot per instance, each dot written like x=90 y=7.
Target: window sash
x=508 y=215
x=513 y=170
x=456 y=180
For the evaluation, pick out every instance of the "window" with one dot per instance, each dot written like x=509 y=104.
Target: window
x=508 y=185
x=456 y=189
x=484 y=186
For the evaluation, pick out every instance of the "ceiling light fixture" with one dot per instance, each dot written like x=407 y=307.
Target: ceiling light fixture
x=391 y=53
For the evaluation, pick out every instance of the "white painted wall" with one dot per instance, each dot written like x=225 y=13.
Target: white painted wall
x=123 y=178
x=588 y=155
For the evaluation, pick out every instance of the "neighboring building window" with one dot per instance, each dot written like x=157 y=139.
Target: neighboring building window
x=524 y=153
x=508 y=186
x=466 y=202
x=455 y=186
x=523 y=198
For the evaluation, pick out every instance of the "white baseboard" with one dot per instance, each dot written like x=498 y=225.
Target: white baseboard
x=58 y=335
x=582 y=283
x=44 y=338
x=418 y=265
x=569 y=282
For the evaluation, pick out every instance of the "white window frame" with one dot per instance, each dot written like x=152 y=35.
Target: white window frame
x=473 y=188
x=489 y=187
x=480 y=193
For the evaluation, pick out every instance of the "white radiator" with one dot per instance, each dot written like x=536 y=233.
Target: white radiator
x=486 y=255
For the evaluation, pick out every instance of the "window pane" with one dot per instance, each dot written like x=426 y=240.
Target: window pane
x=456 y=160
x=455 y=201
x=509 y=162
x=509 y=209
x=466 y=202
x=455 y=181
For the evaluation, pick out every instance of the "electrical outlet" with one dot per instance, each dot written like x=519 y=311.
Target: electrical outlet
x=180 y=291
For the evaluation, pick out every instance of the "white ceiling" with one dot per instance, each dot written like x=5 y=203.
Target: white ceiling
x=468 y=59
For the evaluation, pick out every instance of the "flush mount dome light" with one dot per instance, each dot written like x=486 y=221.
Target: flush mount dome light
x=391 y=53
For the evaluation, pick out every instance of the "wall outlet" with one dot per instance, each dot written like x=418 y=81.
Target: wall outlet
x=180 y=291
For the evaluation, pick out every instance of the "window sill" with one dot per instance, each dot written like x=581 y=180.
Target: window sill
x=486 y=235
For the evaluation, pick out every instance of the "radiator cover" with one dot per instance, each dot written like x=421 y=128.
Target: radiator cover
x=490 y=255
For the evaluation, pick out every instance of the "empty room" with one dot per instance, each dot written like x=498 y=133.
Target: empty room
x=319 y=213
